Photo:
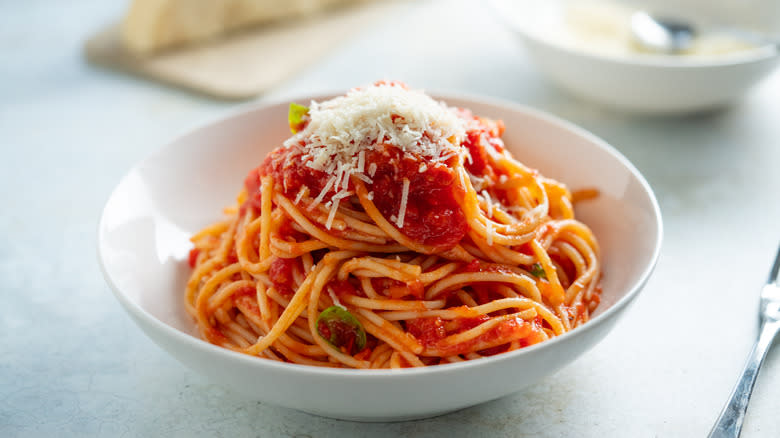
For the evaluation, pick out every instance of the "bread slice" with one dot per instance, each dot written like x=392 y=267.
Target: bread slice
x=154 y=25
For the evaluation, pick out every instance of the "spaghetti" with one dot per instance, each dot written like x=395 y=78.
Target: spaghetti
x=392 y=231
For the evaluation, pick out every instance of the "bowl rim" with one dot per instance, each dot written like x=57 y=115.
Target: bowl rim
x=761 y=53
x=203 y=347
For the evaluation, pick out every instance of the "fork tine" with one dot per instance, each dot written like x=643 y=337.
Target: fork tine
x=774 y=274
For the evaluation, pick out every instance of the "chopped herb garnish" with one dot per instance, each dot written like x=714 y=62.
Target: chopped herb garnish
x=537 y=271
x=296 y=116
x=341 y=329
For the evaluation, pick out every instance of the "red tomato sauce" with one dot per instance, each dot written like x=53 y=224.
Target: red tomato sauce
x=462 y=324
x=289 y=173
x=480 y=266
x=481 y=134
x=427 y=330
x=232 y=257
x=246 y=296
x=193 y=257
x=281 y=275
x=397 y=289
x=431 y=331
x=507 y=330
x=340 y=334
x=343 y=287
x=433 y=213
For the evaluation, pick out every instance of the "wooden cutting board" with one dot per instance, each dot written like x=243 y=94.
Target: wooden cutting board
x=244 y=64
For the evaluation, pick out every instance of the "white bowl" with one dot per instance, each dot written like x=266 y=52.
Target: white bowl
x=635 y=82
x=143 y=245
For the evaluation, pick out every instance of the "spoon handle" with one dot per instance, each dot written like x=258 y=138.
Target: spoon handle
x=729 y=423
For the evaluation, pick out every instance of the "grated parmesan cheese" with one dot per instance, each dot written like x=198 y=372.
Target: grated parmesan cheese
x=335 y=299
x=488 y=203
x=477 y=182
x=404 y=200
x=340 y=128
x=300 y=194
x=321 y=196
x=364 y=178
x=361 y=161
x=332 y=213
x=340 y=131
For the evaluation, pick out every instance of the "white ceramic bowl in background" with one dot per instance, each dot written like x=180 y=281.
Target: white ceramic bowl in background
x=143 y=245
x=637 y=83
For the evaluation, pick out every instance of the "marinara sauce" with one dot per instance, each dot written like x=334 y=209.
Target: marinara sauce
x=433 y=215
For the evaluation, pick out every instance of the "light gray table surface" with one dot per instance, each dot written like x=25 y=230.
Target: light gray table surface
x=73 y=364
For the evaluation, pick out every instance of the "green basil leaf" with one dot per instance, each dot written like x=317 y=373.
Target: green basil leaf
x=537 y=271
x=341 y=329
x=296 y=116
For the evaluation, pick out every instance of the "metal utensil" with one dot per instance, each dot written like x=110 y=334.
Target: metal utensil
x=729 y=423
x=658 y=34
x=661 y=35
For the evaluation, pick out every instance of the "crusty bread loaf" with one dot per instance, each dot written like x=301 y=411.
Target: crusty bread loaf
x=152 y=25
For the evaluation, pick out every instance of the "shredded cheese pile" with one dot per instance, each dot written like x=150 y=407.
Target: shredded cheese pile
x=340 y=130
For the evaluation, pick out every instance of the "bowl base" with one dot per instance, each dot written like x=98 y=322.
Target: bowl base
x=382 y=418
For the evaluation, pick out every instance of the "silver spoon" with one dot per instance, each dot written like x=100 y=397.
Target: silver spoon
x=661 y=35
x=671 y=36
x=729 y=423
